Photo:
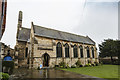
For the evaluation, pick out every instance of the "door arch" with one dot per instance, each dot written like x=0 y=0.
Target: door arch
x=46 y=59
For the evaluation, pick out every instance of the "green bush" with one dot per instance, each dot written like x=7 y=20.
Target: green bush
x=62 y=64
x=96 y=63
x=56 y=66
x=89 y=64
x=78 y=63
x=73 y=66
x=108 y=61
x=89 y=61
x=8 y=64
x=0 y=75
x=86 y=65
x=115 y=62
x=81 y=65
x=67 y=66
x=93 y=64
x=4 y=76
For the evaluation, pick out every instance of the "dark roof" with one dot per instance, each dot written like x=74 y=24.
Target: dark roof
x=24 y=34
x=55 y=34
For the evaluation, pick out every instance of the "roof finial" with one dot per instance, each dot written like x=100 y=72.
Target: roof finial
x=32 y=23
x=20 y=19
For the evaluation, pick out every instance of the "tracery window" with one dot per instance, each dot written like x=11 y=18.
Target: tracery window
x=66 y=50
x=88 y=52
x=75 y=50
x=59 y=50
x=92 y=52
x=81 y=51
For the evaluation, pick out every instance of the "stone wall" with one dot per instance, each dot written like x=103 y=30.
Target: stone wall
x=21 y=49
x=47 y=45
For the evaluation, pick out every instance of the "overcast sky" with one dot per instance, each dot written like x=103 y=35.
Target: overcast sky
x=96 y=18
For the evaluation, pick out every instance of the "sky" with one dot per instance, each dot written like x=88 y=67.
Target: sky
x=97 y=19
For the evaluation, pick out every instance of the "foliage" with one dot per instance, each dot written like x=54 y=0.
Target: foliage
x=8 y=64
x=56 y=66
x=67 y=66
x=81 y=65
x=108 y=61
x=92 y=64
x=78 y=63
x=109 y=48
x=87 y=65
x=62 y=64
x=89 y=61
x=4 y=76
x=96 y=63
x=73 y=66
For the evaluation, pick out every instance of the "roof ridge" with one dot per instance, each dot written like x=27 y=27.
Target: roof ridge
x=60 y=31
x=26 y=28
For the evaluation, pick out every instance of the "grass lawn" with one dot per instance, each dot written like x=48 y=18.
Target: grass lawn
x=102 y=71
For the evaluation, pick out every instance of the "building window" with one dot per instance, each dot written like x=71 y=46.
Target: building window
x=26 y=52
x=75 y=51
x=66 y=50
x=81 y=51
x=59 y=50
x=92 y=52
x=88 y=52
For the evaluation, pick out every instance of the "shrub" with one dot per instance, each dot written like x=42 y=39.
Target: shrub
x=89 y=61
x=78 y=63
x=96 y=63
x=89 y=64
x=115 y=62
x=56 y=66
x=86 y=65
x=81 y=65
x=61 y=67
x=93 y=64
x=7 y=65
x=62 y=64
x=106 y=61
x=4 y=76
x=100 y=63
x=73 y=66
x=67 y=66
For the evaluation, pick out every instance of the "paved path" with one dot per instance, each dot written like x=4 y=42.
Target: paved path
x=22 y=74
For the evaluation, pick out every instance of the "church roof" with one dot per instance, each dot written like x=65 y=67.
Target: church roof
x=23 y=34
x=55 y=34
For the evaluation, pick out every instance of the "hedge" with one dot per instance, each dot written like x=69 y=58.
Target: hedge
x=4 y=76
x=108 y=61
x=7 y=65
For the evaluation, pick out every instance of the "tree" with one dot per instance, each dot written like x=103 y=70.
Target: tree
x=118 y=50
x=109 y=48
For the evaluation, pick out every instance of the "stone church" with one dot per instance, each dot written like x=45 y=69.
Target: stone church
x=49 y=47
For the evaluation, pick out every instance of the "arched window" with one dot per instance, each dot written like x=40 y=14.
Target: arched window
x=59 y=50
x=81 y=51
x=66 y=50
x=92 y=52
x=88 y=52
x=75 y=50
